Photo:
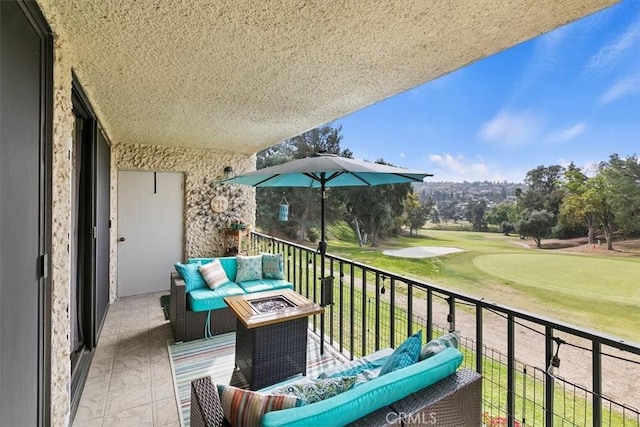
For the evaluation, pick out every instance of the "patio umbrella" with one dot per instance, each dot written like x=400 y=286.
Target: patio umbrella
x=323 y=170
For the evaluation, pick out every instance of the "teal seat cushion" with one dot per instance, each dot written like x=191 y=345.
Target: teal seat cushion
x=229 y=264
x=206 y=299
x=251 y=286
x=190 y=273
x=368 y=397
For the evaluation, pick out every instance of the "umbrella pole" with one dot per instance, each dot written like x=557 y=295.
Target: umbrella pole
x=322 y=247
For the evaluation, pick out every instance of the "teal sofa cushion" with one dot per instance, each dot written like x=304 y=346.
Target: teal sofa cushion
x=370 y=396
x=251 y=286
x=190 y=273
x=229 y=264
x=206 y=299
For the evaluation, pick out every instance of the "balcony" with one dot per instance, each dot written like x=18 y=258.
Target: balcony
x=595 y=384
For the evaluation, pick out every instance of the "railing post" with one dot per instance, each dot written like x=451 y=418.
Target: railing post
x=597 y=382
x=429 y=315
x=364 y=312
x=548 y=383
x=377 y=318
x=353 y=310
x=479 y=344
x=392 y=314
x=409 y=309
x=511 y=371
x=341 y=316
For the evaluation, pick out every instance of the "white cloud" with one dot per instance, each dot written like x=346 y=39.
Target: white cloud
x=627 y=86
x=457 y=164
x=511 y=130
x=588 y=168
x=611 y=52
x=545 y=56
x=447 y=167
x=567 y=134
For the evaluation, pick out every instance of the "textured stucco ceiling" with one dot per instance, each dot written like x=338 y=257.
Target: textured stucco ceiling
x=243 y=75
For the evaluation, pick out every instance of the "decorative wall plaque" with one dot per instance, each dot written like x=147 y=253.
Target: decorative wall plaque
x=219 y=204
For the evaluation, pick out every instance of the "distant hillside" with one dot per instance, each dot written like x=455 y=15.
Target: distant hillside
x=491 y=192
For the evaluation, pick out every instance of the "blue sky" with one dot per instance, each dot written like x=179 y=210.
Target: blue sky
x=570 y=95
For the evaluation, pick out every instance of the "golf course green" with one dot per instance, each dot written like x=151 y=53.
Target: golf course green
x=597 y=291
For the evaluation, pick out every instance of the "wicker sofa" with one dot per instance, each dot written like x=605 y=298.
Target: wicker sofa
x=196 y=313
x=429 y=392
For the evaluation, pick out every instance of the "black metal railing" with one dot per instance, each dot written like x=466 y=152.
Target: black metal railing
x=374 y=309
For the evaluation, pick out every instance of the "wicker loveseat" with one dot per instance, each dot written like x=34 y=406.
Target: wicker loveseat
x=196 y=313
x=429 y=392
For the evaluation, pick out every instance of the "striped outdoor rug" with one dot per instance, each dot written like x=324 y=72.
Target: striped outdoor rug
x=215 y=357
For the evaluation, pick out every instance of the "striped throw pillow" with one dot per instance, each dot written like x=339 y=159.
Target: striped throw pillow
x=214 y=274
x=246 y=408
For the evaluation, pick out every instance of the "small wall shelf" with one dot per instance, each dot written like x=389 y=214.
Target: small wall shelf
x=235 y=242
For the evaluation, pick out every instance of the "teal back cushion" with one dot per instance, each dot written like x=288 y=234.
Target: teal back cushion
x=229 y=264
x=190 y=273
x=406 y=354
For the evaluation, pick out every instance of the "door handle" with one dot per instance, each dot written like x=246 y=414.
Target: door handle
x=122 y=239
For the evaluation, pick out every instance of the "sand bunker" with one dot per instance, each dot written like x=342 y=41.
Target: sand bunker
x=422 y=251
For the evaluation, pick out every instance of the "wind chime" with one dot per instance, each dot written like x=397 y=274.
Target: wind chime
x=283 y=211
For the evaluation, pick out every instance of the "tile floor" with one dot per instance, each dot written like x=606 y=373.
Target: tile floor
x=130 y=382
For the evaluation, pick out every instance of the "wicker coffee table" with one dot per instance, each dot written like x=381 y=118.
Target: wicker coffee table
x=271 y=335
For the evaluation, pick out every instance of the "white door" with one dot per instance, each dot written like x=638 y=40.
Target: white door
x=149 y=230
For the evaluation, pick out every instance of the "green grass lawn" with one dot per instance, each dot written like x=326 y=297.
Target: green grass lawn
x=596 y=292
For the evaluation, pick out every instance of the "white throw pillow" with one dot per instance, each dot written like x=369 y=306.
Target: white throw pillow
x=214 y=274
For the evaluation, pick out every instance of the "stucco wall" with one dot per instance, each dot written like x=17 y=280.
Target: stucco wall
x=203 y=227
x=61 y=228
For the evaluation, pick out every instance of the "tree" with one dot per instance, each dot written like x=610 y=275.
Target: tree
x=622 y=177
x=597 y=199
x=502 y=214
x=417 y=212
x=544 y=189
x=518 y=193
x=536 y=224
x=475 y=214
x=377 y=207
x=447 y=211
x=575 y=212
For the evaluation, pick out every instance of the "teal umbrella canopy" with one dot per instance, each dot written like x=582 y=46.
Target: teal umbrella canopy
x=327 y=170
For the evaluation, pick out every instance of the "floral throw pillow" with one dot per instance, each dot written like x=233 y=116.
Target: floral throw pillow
x=246 y=408
x=318 y=389
x=249 y=268
x=273 y=266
